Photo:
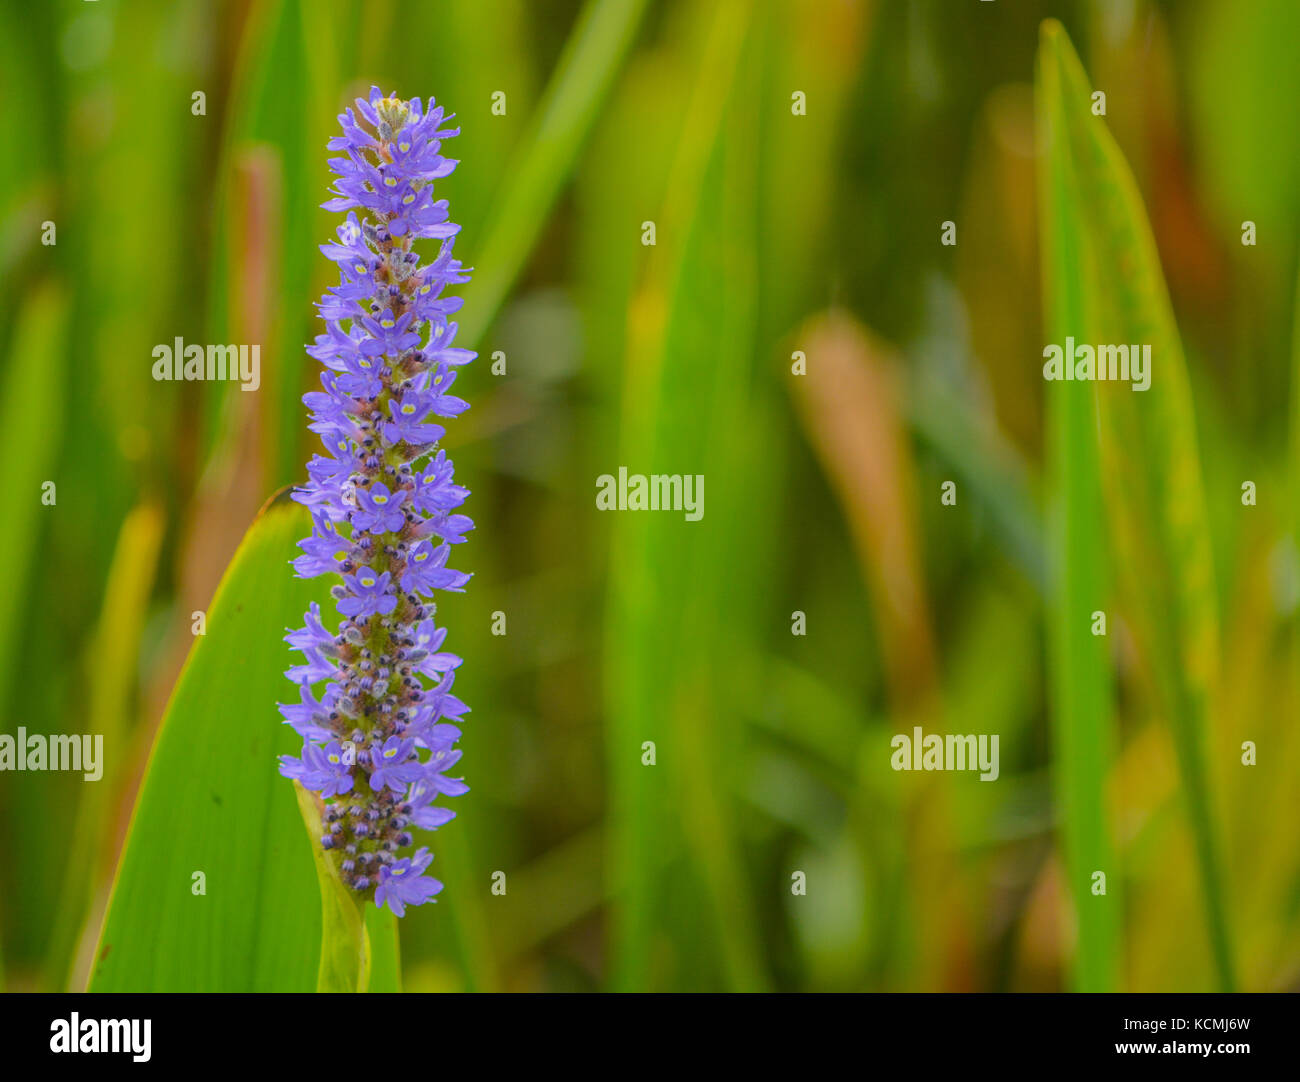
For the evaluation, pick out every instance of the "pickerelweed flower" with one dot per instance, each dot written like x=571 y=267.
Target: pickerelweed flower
x=377 y=740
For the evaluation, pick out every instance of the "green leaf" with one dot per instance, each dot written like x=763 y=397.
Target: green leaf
x=1240 y=64
x=1083 y=727
x=690 y=348
x=1107 y=278
x=591 y=59
x=359 y=950
x=345 y=943
x=573 y=98
x=272 y=175
x=35 y=375
x=112 y=658
x=213 y=801
x=385 y=952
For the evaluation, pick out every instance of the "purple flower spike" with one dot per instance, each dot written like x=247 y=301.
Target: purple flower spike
x=377 y=734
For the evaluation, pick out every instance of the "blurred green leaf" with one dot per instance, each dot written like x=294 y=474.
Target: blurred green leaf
x=272 y=176
x=998 y=475
x=573 y=98
x=112 y=665
x=1244 y=82
x=1080 y=675
x=32 y=417
x=32 y=413
x=1110 y=272
x=591 y=59
x=690 y=353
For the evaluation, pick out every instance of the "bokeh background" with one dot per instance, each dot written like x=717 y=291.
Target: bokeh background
x=776 y=233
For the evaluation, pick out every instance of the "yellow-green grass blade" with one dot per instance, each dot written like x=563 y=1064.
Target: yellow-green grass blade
x=680 y=591
x=1150 y=465
x=213 y=802
x=266 y=269
x=32 y=415
x=1081 y=682
x=581 y=82
x=35 y=375
x=444 y=57
x=516 y=215
x=1293 y=519
x=111 y=669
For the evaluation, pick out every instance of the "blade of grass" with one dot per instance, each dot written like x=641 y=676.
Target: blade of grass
x=688 y=360
x=1081 y=682
x=591 y=58
x=1294 y=435
x=36 y=375
x=582 y=78
x=272 y=175
x=111 y=669
x=1151 y=467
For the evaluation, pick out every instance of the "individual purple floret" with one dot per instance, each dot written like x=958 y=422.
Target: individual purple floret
x=377 y=738
x=403 y=883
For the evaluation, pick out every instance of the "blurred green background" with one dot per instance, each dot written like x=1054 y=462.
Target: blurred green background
x=776 y=233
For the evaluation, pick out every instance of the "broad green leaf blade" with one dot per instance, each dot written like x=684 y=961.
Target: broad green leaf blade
x=1151 y=468
x=1081 y=697
x=213 y=802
